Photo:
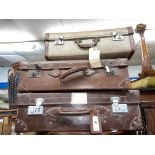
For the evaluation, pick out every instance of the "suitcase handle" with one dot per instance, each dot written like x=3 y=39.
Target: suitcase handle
x=90 y=111
x=73 y=112
x=82 y=45
x=87 y=72
x=71 y=71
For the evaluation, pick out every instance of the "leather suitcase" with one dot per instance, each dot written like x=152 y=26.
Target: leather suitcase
x=79 y=113
x=75 y=75
x=112 y=43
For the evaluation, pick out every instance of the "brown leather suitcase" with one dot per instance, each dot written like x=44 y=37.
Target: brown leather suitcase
x=75 y=75
x=79 y=113
x=112 y=43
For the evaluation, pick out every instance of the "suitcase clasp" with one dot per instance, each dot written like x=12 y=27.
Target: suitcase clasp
x=59 y=41
x=109 y=71
x=116 y=36
x=118 y=108
x=37 y=109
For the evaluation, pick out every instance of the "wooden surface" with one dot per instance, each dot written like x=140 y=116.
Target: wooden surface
x=5 y=125
x=150 y=120
x=148 y=106
x=147 y=96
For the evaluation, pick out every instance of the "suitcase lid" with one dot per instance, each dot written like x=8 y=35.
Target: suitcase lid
x=89 y=34
x=94 y=98
x=47 y=65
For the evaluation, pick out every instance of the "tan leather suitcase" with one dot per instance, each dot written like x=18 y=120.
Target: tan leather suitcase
x=79 y=113
x=75 y=75
x=112 y=43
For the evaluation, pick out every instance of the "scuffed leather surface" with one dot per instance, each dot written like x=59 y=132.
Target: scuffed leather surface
x=53 y=121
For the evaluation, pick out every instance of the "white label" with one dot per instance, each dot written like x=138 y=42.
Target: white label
x=78 y=98
x=94 y=58
x=96 y=126
x=35 y=110
x=1 y=120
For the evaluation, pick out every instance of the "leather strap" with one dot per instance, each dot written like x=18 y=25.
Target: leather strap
x=71 y=71
x=74 y=112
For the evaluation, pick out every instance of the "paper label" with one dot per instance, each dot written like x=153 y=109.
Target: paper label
x=78 y=98
x=94 y=58
x=96 y=125
x=1 y=120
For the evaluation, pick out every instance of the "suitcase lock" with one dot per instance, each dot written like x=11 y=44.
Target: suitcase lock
x=37 y=109
x=59 y=41
x=109 y=71
x=118 y=108
x=116 y=36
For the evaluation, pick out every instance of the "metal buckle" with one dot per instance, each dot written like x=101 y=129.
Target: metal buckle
x=116 y=36
x=37 y=109
x=59 y=41
x=118 y=108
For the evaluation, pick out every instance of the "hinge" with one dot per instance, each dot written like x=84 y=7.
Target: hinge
x=59 y=41
x=117 y=107
x=37 y=109
x=116 y=36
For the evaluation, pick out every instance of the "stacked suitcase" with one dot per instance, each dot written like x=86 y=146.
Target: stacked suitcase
x=83 y=88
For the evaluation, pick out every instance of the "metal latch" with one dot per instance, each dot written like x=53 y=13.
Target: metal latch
x=37 y=109
x=35 y=73
x=109 y=71
x=59 y=41
x=116 y=36
x=118 y=108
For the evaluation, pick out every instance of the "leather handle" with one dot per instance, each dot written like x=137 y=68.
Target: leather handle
x=73 y=112
x=82 y=45
x=71 y=71
x=54 y=112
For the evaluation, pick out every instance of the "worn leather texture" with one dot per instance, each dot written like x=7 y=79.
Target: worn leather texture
x=72 y=75
x=76 y=44
x=61 y=117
